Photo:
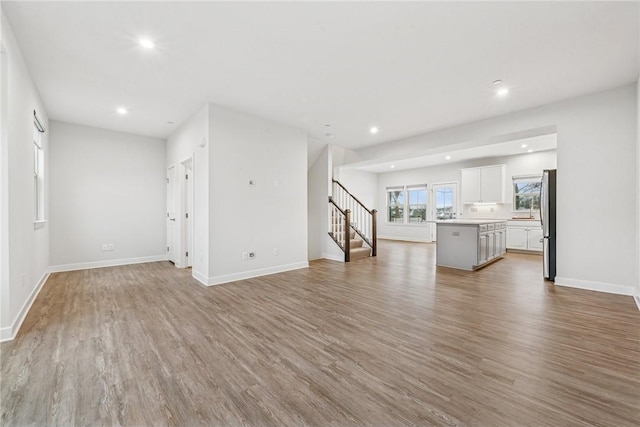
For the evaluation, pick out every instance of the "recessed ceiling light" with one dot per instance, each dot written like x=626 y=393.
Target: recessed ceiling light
x=169 y=123
x=502 y=92
x=497 y=82
x=373 y=130
x=392 y=166
x=524 y=145
x=529 y=150
x=146 y=43
x=448 y=158
x=121 y=110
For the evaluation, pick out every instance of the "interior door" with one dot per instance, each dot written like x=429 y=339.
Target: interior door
x=171 y=214
x=443 y=204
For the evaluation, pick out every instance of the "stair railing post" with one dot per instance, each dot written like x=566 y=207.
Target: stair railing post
x=347 y=236
x=374 y=232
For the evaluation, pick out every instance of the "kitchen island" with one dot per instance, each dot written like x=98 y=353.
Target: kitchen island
x=470 y=244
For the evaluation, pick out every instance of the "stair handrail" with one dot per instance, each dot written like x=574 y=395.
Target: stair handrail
x=354 y=197
x=364 y=220
x=346 y=245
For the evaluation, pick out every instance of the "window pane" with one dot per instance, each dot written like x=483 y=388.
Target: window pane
x=417 y=205
x=395 y=206
x=527 y=187
x=527 y=202
x=444 y=203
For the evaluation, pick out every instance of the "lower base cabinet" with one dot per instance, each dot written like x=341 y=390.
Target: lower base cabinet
x=469 y=245
x=524 y=237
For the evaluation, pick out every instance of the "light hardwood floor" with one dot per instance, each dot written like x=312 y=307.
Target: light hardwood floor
x=386 y=341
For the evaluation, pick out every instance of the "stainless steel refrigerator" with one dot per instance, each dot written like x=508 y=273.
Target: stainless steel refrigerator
x=548 y=220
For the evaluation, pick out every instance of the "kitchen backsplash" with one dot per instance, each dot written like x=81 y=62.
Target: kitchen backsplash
x=494 y=212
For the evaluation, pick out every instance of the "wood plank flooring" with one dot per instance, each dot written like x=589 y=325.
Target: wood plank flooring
x=391 y=340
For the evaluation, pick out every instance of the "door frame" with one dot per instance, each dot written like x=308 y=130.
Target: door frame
x=181 y=235
x=432 y=210
x=187 y=187
x=172 y=231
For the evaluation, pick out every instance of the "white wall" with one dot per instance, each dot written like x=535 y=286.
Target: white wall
x=191 y=139
x=317 y=190
x=597 y=147
x=272 y=213
x=25 y=248
x=362 y=184
x=638 y=190
x=106 y=187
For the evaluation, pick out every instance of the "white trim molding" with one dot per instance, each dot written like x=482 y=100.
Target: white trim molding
x=406 y=239
x=333 y=257
x=199 y=277
x=610 y=288
x=9 y=333
x=637 y=300
x=226 y=278
x=108 y=263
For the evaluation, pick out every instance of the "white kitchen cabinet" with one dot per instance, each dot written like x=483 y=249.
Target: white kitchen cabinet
x=469 y=244
x=517 y=238
x=483 y=185
x=524 y=236
x=535 y=239
x=471 y=185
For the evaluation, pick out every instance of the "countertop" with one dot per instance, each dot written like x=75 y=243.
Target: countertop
x=470 y=221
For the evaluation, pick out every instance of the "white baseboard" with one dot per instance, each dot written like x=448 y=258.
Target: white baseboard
x=610 y=288
x=637 y=300
x=199 y=277
x=333 y=257
x=108 y=263
x=226 y=278
x=405 y=239
x=9 y=333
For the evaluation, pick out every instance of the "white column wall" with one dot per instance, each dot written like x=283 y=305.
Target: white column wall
x=192 y=139
x=268 y=218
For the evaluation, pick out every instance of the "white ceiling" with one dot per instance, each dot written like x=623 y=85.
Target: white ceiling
x=520 y=146
x=408 y=67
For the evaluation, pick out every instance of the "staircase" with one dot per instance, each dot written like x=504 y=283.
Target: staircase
x=348 y=215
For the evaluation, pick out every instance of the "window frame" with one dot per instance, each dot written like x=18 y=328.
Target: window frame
x=537 y=179
x=39 y=173
x=406 y=205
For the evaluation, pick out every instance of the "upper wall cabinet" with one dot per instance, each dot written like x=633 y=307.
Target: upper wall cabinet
x=483 y=185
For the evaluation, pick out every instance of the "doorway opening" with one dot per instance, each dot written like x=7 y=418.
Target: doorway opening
x=180 y=220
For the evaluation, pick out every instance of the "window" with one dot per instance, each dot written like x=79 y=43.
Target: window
x=526 y=193
x=395 y=205
x=417 y=204
x=38 y=169
x=407 y=204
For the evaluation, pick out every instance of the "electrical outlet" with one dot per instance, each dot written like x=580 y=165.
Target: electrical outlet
x=252 y=255
x=276 y=252
x=111 y=246
x=105 y=246
x=245 y=255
